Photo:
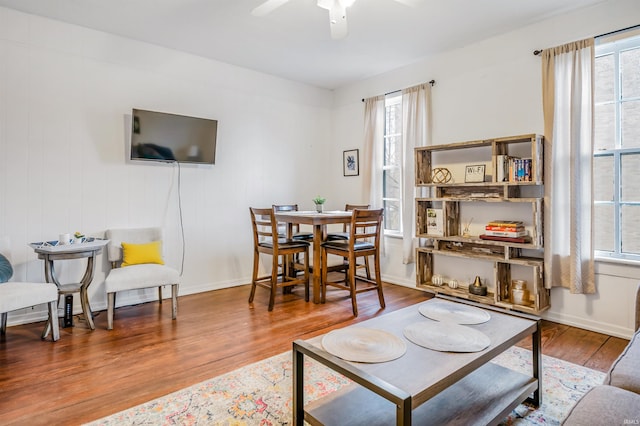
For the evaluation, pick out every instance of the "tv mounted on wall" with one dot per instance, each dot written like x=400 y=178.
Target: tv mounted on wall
x=160 y=136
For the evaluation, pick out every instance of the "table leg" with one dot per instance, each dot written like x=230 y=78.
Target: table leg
x=537 y=363
x=288 y=263
x=50 y=272
x=84 y=292
x=317 y=261
x=298 y=387
x=536 y=354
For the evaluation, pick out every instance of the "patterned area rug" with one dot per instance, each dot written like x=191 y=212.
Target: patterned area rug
x=260 y=394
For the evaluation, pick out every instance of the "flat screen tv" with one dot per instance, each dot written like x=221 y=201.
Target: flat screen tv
x=160 y=136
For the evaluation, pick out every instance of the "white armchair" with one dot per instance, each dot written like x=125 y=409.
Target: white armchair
x=137 y=276
x=20 y=295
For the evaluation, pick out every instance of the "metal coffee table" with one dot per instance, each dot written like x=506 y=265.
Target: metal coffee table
x=425 y=387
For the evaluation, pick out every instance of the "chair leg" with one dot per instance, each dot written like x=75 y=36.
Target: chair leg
x=254 y=277
x=53 y=321
x=274 y=282
x=111 y=304
x=3 y=323
x=306 y=275
x=323 y=275
x=174 y=301
x=366 y=265
x=352 y=284
x=376 y=262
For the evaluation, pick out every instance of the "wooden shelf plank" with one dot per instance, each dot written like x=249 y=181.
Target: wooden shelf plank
x=483 y=397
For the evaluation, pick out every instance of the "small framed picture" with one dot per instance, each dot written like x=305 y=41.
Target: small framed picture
x=351 y=163
x=474 y=173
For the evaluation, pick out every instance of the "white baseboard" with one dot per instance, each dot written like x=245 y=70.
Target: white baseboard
x=128 y=298
x=135 y=297
x=586 y=324
x=579 y=322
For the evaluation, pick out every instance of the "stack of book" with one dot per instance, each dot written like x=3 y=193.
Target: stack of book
x=506 y=230
x=513 y=169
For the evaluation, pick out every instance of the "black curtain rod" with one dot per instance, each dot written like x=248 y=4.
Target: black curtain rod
x=431 y=82
x=539 y=51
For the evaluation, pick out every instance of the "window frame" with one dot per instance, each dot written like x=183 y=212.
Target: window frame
x=392 y=99
x=614 y=47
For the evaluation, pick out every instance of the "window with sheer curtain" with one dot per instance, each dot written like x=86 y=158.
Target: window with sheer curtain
x=392 y=165
x=616 y=158
x=394 y=125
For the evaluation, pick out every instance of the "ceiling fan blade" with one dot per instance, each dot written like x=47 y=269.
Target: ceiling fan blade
x=338 y=21
x=267 y=7
x=410 y=3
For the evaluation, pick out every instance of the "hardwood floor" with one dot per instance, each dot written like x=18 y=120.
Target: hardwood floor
x=89 y=374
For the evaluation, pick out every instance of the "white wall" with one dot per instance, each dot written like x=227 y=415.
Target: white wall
x=492 y=89
x=65 y=92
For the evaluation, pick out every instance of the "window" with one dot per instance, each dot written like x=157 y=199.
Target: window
x=616 y=162
x=392 y=167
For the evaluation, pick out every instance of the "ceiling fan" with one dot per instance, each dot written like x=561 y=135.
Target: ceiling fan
x=337 y=12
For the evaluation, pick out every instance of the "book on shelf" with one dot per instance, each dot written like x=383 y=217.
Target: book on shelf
x=522 y=240
x=520 y=169
x=506 y=223
x=516 y=228
x=435 y=222
x=502 y=168
x=514 y=234
x=513 y=169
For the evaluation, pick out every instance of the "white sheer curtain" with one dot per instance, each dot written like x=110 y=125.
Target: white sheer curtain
x=567 y=91
x=416 y=123
x=373 y=151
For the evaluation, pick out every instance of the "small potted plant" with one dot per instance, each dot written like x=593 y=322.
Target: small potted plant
x=319 y=201
x=78 y=237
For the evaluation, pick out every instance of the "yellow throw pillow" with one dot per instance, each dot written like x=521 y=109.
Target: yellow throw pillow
x=136 y=254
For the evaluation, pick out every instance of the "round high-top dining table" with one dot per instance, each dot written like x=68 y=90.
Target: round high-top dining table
x=319 y=221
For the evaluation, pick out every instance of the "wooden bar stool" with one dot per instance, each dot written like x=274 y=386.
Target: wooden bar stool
x=364 y=241
x=267 y=241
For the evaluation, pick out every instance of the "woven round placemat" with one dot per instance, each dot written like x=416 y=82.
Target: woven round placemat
x=360 y=344
x=446 y=336
x=457 y=313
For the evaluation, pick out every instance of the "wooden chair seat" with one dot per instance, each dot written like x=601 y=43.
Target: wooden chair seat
x=285 y=244
x=344 y=245
x=332 y=236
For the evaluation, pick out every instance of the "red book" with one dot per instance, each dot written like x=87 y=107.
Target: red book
x=504 y=228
